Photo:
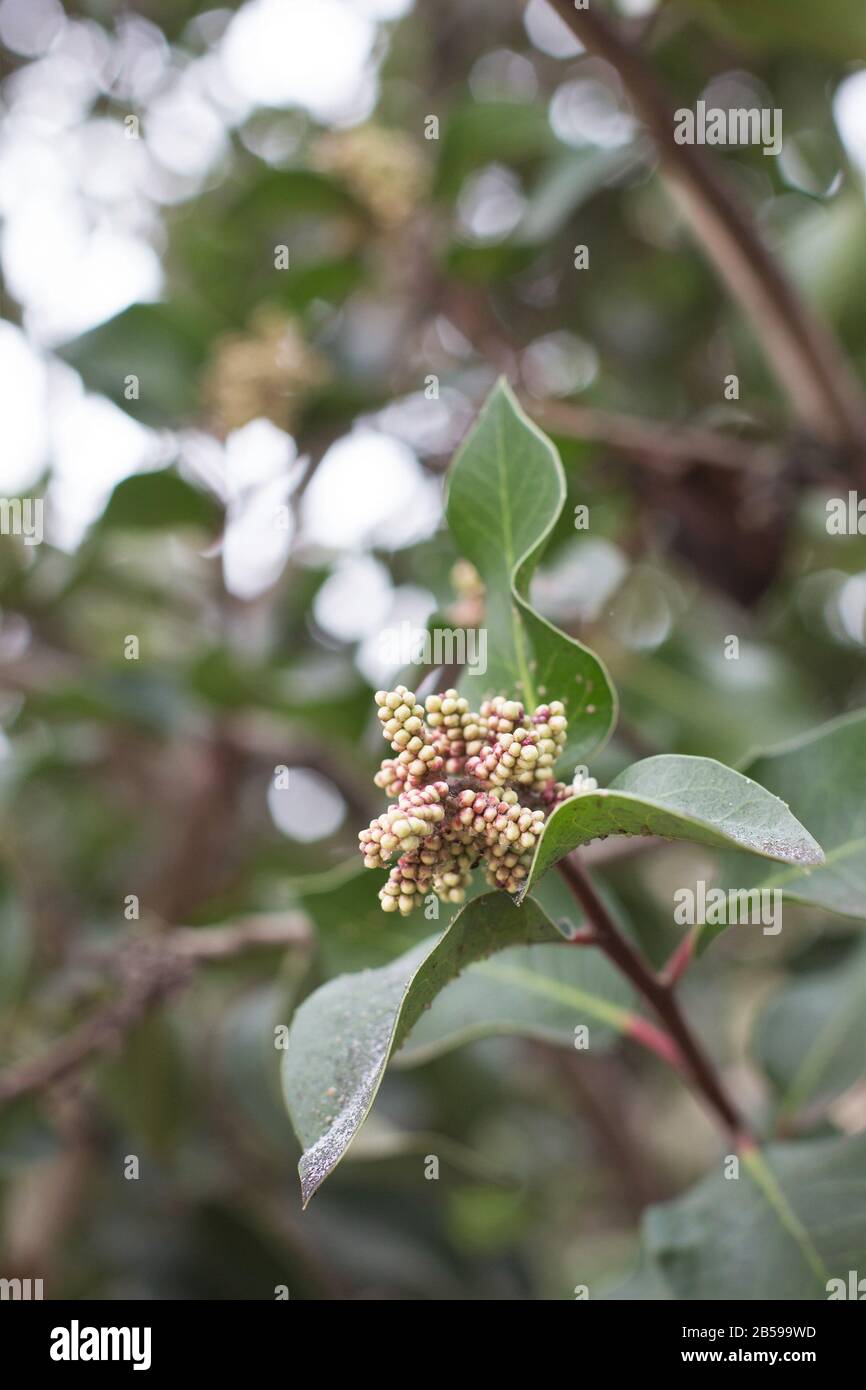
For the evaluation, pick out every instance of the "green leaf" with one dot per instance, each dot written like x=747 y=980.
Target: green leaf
x=272 y=192
x=379 y=1141
x=353 y=932
x=164 y=345
x=811 y=1037
x=486 y=264
x=145 y=1085
x=681 y=798
x=686 y=695
x=567 y=183
x=482 y=132
x=506 y=491
x=822 y=775
x=837 y=30
x=150 y=501
x=248 y=1064
x=529 y=991
x=329 y=280
x=16 y=945
x=794 y=1218
x=645 y=1284
x=343 y=1036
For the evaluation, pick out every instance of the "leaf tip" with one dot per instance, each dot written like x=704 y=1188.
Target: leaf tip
x=806 y=853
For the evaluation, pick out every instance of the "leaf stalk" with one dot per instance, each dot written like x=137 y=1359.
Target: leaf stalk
x=689 y=1055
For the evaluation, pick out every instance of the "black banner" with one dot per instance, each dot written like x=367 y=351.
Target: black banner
x=148 y=1338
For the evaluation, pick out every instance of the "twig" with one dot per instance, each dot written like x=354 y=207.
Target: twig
x=644 y=1031
x=807 y=360
x=689 y=1052
x=662 y=446
x=148 y=972
x=202 y=944
x=679 y=961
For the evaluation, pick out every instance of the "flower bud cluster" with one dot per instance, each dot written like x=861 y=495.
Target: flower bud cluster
x=382 y=168
x=508 y=831
x=456 y=730
x=519 y=748
x=411 y=739
x=403 y=827
x=468 y=788
x=268 y=372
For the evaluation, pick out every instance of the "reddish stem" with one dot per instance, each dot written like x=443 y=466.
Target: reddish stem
x=659 y=1042
x=679 y=961
x=657 y=993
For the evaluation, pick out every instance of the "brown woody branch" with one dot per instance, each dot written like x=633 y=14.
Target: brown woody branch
x=147 y=972
x=659 y=994
x=659 y=445
x=804 y=354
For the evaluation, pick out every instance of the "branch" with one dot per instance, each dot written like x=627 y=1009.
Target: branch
x=201 y=944
x=662 y=446
x=804 y=354
x=680 y=960
x=148 y=971
x=688 y=1051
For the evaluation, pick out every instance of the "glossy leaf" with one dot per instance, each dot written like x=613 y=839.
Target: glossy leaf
x=822 y=775
x=527 y=991
x=811 y=1037
x=794 y=1219
x=681 y=798
x=344 y=1035
x=380 y=1140
x=530 y=991
x=506 y=491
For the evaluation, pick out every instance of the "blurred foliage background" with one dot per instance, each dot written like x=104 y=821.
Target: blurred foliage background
x=261 y=262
